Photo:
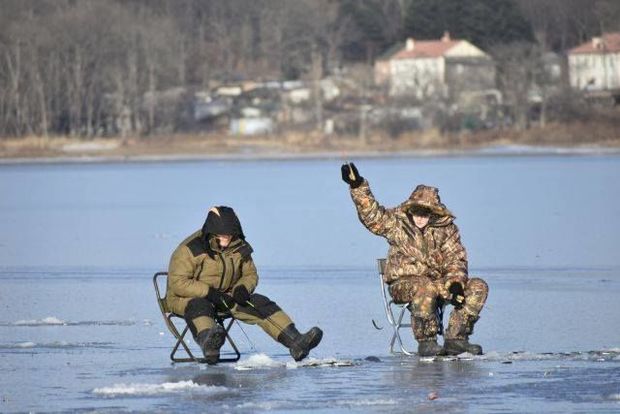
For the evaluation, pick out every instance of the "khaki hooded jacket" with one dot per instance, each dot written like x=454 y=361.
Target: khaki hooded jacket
x=194 y=270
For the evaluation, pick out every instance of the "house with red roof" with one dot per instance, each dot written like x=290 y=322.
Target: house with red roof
x=444 y=67
x=594 y=66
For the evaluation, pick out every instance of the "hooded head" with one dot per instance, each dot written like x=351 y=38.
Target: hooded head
x=427 y=198
x=222 y=220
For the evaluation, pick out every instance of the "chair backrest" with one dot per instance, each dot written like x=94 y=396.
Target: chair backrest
x=384 y=287
x=161 y=300
x=381 y=266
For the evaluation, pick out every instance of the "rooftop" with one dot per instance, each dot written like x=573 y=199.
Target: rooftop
x=426 y=48
x=607 y=43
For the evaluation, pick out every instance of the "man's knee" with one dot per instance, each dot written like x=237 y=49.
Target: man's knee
x=476 y=294
x=477 y=285
x=265 y=306
x=425 y=300
x=199 y=307
x=199 y=314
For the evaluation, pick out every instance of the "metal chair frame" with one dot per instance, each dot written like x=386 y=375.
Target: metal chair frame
x=220 y=319
x=397 y=322
x=391 y=308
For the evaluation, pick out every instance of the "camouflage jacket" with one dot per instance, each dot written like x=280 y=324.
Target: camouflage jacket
x=435 y=251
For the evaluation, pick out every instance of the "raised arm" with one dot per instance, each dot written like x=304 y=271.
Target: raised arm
x=374 y=217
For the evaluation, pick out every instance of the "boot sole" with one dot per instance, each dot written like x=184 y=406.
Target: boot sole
x=316 y=339
x=441 y=352
x=458 y=351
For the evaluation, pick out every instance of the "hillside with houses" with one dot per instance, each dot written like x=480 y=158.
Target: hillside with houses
x=146 y=77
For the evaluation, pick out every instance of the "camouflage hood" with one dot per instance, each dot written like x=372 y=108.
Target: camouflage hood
x=428 y=198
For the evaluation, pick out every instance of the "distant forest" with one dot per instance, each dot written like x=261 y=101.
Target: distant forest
x=65 y=63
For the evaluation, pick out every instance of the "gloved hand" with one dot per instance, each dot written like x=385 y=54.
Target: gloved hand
x=443 y=291
x=457 y=294
x=241 y=295
x=350 y=175
x=218 y=298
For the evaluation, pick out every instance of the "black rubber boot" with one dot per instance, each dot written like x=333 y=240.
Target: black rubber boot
x=459 y=346
x=429 y=347
x=460 y=327
x=210 y=341
x=300 y=345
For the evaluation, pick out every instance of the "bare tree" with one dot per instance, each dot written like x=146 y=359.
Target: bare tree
x=524 y=79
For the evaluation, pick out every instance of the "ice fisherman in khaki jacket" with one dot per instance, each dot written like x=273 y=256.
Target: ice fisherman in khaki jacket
x=212 y=270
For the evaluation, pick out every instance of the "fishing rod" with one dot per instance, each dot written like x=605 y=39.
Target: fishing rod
x=278 y=326
x=240 y=327
x=269 y=319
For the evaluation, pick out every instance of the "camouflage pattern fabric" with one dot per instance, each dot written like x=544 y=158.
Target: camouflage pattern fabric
x=424 y=329
x=422 y=263
x=462 y=320
x=423 y=295
x=435 y=252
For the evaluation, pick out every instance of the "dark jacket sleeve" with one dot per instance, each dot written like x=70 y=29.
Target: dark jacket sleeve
x=181 y=275
x=376 y=218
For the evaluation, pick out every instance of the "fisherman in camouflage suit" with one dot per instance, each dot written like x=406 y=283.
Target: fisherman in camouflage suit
x=426 y=264
x=212 y=271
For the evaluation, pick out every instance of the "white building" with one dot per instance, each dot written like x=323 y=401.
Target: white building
x=443 y=67
x=595 y=66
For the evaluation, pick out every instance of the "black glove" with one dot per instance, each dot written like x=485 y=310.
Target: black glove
x=218 y=298
x=350 y=175
x=457 y=298
x=241 y=295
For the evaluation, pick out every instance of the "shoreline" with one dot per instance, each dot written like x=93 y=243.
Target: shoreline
x=507 y=150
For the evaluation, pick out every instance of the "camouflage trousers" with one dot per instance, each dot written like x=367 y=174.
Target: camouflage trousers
x=424 y=296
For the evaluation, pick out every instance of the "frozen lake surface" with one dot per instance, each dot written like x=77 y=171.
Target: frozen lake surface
x=81 y=331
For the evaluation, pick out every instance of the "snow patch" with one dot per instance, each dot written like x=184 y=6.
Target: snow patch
x=369 y=402
x=603 y=355
x=56 y=345
x=321 y=362
x=53 y=321
x=258 y=361
x=50 y=320
x=98 y=145
x=515 y=356
x=138 y=389
x=264 y=406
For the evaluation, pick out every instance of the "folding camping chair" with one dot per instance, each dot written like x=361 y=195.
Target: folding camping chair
x=391 y=308
x=220 y=318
